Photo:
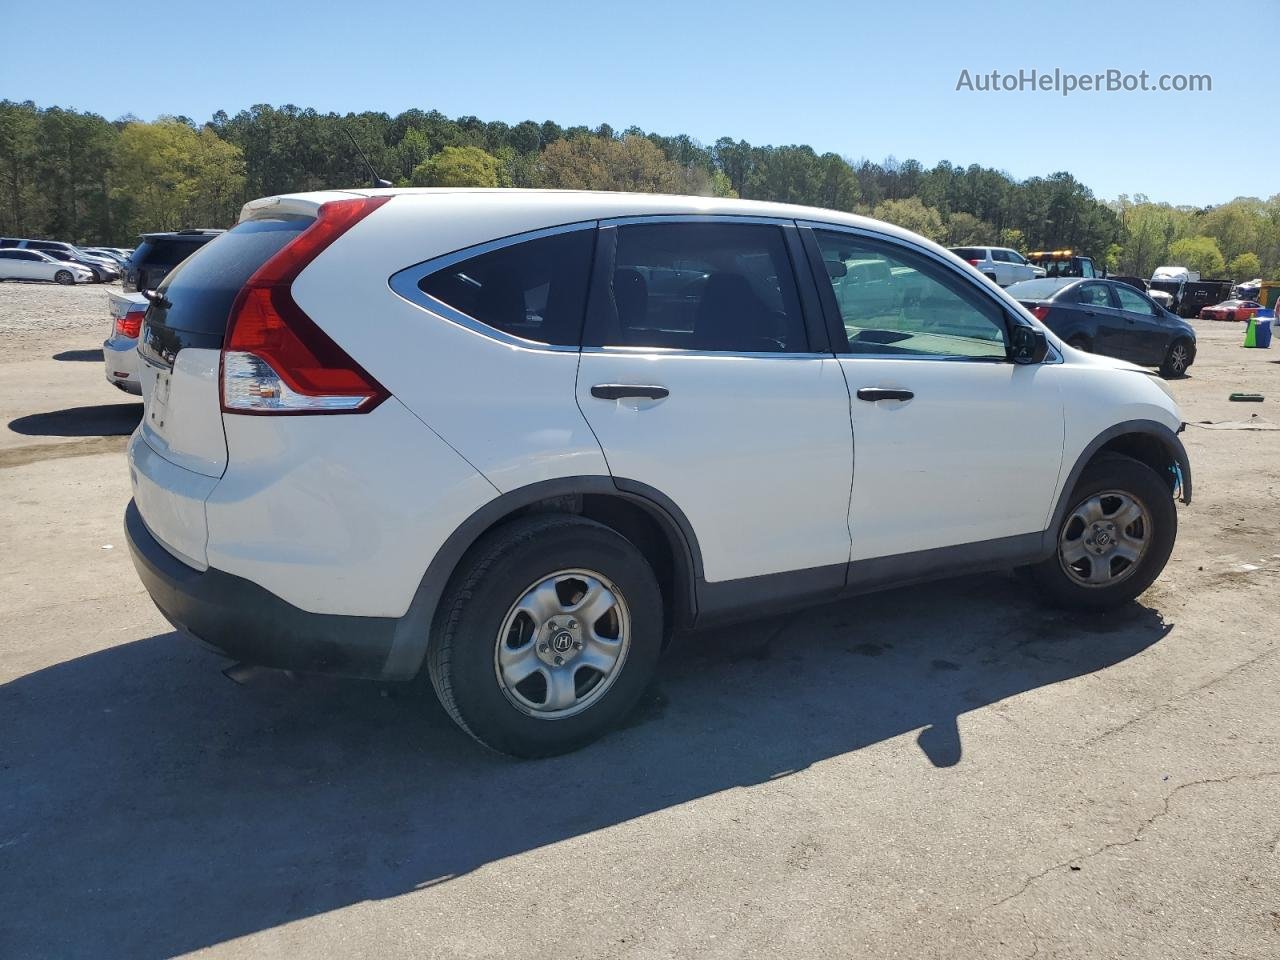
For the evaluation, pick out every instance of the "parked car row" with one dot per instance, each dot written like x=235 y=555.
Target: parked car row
x=37 y=265
x=102 y=267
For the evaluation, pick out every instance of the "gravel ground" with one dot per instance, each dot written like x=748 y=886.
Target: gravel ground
x=31 y=310
x=948 y=770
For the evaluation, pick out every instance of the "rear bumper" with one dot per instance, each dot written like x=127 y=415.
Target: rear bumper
x=121 y=364
x=243 y=621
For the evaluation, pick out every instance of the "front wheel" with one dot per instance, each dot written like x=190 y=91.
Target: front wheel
x=548 y=635
x=1176 y=360
x=1115 y=538
x=64 y=277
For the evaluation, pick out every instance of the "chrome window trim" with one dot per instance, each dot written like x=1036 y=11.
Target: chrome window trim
x=634 y=219
x=680 y=352
x=404 y=283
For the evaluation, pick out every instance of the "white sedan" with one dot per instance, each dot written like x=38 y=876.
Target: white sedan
x=34 y=265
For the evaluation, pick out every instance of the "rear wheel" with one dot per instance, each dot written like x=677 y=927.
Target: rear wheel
x=547 y=636
x=64 y=277
x=1176 y=360
x=1115 y=539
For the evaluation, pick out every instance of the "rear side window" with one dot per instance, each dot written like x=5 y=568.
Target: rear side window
x=969 y=253
x=719 y=287
x=202 y=289
x=535 y=290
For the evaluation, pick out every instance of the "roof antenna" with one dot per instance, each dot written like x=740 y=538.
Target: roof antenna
x=377 y=180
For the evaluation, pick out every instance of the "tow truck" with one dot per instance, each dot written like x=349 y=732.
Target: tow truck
x=1063 y=263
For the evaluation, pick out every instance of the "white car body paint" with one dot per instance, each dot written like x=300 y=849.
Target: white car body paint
x=974 y=455
x=343 y=514
x=181 y=415
x=338 y=514
x=756 y=452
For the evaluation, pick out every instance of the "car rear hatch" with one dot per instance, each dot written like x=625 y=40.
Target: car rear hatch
x=180 y=449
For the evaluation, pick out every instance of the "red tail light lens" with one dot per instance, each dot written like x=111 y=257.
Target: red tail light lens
x=1040 y=311
x=274 y=357
x=130 y=325
x=973 y=263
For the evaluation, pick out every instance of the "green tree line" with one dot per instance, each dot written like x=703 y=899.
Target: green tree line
x=72 y=175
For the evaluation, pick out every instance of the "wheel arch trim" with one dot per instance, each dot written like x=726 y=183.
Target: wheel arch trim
x=413 y=630
x=1153 y=429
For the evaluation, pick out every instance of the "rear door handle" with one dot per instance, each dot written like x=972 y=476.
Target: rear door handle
x=619 y=391
x=872 y=394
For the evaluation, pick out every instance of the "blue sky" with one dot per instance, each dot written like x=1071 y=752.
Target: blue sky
x=863 y=79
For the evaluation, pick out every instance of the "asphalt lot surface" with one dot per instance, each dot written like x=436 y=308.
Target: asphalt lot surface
x=941 y=771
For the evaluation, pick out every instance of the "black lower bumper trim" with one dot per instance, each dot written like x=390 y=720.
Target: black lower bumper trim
x=249 y=623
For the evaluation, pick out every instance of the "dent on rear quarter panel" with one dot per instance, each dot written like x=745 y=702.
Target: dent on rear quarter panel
x=338 y=514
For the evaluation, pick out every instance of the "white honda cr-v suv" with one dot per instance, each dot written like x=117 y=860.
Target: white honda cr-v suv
x=513 y=440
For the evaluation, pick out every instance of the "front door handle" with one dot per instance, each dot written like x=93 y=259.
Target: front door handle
x=872 y=394
x=618 y=391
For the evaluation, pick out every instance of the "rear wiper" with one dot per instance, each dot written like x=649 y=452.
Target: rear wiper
x=158 y=298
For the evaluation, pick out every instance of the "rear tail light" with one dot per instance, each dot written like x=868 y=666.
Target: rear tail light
x=274 y=357
x=130 y=325
x=1040 y=311
x=973 y=263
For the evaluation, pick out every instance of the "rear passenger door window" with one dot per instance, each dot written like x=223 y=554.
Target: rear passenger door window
x=535 y=289
x=1095 y=295
x=896 y=302
x=713 y=286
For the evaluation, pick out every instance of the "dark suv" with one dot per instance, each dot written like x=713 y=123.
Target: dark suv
x=158 y=253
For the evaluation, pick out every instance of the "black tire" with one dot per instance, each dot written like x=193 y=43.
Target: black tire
x=1179 y=357
x=64 y=277
x=1113 y=472
x=1080 y=343
x=461 y=659
x=992 y=278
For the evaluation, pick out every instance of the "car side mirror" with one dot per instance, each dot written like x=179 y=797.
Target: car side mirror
x=836 y=269
x=1027 y=345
